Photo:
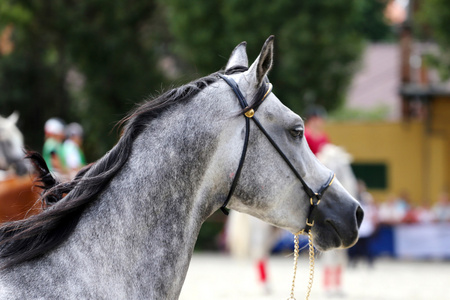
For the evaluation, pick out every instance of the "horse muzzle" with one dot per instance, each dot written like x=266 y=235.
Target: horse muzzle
x=337 y=227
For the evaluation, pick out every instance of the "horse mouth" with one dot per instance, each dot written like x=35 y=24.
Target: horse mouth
x=344 y=241
x=338 y=238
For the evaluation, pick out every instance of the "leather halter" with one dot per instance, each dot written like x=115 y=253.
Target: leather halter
x=314 y=197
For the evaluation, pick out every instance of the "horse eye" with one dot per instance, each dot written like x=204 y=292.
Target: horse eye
x=297 y=132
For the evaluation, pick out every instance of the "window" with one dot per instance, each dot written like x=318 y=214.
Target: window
x=373 y=174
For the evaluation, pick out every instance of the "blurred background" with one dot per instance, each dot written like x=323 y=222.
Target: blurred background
x=379 y=69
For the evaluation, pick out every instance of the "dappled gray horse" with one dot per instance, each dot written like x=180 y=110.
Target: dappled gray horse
x=128 y=225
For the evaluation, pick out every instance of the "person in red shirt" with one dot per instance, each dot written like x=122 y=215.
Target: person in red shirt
x=315 y=128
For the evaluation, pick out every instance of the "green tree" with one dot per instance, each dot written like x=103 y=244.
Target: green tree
x=114 y=48
x=32 y=75
x=317 y=42
x=111 y=47
x=433 y=17
x=372 y=23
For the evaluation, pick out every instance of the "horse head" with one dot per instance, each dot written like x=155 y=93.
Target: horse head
x=281 y=179
x=11 y=145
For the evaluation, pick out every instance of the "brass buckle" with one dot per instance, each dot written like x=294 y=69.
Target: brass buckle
x=309 y=224
x=311 y=200
x=250 y=113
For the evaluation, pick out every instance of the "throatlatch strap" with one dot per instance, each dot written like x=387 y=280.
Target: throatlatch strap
x=243 y=104
x=239 y=169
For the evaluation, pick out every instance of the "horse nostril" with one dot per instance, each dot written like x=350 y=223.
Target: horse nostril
x=359 y=215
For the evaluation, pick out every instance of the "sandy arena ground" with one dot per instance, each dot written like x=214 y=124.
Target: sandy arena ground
x=218 y=276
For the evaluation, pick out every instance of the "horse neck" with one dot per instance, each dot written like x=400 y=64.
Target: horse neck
x=158 y=202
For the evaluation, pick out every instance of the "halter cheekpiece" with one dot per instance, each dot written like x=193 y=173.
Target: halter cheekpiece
x=249 y=113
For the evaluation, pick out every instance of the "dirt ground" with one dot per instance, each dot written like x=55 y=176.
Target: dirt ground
x=219 y=276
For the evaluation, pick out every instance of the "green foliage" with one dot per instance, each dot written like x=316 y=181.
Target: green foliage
x=352 y=114
x=317 y=42
x=90 y=60
x=372 y=22
x=209 y=235
x=434 y=15
x=110 y=44
x=32 y=76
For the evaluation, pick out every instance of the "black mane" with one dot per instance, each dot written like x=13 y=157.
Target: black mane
x=24 y=240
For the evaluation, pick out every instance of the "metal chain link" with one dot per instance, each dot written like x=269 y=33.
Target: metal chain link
x=311 y=264
x=296 y=250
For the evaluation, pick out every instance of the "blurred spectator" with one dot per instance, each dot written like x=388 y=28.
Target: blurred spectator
x=73 y=153
x=392 y=211
x=403 y=202
x=368 y=227
x=425 y=214
x=315 y=128
x=441 y=209
x=419 y=214
x=53 y=151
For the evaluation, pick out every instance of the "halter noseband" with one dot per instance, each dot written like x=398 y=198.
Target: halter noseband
x=314 y=197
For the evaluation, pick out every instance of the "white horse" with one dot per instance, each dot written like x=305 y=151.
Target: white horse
x=339 y=161
x=125 y=228
x=11 y=147
x=333 y=262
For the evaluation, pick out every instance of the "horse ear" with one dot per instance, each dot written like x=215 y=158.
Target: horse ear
x=263 y=63
x=238 y=57
x=14 y=117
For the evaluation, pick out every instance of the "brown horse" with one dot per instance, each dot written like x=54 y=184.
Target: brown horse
x=18 y=198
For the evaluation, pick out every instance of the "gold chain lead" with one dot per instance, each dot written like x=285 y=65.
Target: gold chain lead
x=311 y=264
x=296 y=250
